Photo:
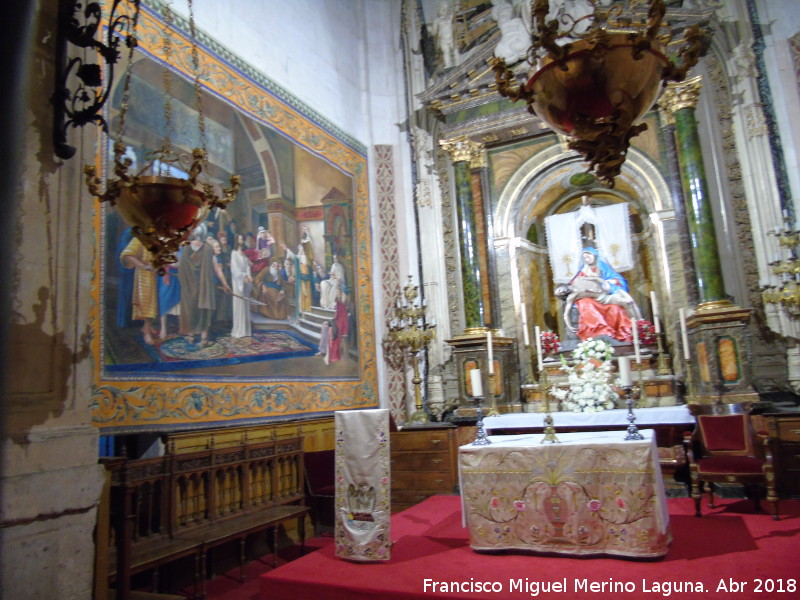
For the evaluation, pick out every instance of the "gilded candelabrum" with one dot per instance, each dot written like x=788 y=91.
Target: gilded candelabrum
x=412 y=333
x=786 y=265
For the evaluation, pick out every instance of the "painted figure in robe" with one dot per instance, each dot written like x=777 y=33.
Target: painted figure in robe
x=242 y=284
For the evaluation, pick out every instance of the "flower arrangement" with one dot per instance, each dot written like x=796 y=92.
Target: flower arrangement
x=550 y=342
x=592 y=349
x=588 y=377
x=647 y=332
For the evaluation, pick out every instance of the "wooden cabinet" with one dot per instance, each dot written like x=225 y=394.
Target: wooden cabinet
x=784 y=428
x=423 y=464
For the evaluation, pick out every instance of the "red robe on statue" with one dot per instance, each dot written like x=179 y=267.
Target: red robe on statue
x=603 y=319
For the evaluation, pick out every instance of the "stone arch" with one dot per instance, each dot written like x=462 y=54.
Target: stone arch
x=644 y=186
x=641 y=183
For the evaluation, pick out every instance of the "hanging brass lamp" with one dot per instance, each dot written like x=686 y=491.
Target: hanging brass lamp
x=595 y=70
x=161 y=208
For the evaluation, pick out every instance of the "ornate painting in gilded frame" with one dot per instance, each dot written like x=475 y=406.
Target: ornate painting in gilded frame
x=302 y=212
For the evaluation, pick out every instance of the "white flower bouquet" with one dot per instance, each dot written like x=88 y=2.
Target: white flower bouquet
x=588 y=377
x=591 y=349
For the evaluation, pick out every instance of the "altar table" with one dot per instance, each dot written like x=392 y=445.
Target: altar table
x=592 y=493
x=659 y=415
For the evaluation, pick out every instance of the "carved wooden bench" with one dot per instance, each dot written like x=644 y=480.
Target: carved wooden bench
x=183 y=505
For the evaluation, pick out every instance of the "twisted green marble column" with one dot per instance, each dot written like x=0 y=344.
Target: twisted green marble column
x=468 y=155
x=680 y=100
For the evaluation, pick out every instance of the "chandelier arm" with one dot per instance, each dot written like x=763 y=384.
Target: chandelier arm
x=655 y=16
x=547 y=33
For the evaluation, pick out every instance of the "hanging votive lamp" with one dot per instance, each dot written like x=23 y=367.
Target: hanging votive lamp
x=595 y=71
x=163 y=210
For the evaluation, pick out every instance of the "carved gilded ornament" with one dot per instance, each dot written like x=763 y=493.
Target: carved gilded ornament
x=678 y=96
x=667 y=116
x=465 y=150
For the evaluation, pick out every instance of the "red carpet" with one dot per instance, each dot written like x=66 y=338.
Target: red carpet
x=726 y=552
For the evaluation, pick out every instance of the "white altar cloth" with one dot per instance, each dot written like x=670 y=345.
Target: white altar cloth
x=660 y=415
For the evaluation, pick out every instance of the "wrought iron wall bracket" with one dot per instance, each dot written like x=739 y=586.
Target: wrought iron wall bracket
x=81 y=86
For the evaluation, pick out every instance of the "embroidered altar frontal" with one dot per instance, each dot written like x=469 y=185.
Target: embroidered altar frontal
x=592 y=493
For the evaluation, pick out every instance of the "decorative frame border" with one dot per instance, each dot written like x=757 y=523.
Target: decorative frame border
x=151 y=404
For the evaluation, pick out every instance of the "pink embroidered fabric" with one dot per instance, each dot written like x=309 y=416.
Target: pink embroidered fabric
x=592 y=493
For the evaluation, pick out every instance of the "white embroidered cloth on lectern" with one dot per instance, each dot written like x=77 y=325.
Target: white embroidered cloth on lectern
x=362 y=485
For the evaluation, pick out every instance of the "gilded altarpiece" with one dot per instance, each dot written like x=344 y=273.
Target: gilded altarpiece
x=313 y=350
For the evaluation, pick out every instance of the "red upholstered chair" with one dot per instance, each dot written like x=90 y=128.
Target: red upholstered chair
x=725 y=449
x=320 y=472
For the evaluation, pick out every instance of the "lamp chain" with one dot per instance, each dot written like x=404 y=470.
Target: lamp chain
x=166 y=77
x=201 y=119
x=126 y=88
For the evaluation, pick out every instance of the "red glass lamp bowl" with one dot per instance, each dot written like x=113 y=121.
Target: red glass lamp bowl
x=602 y=81
x=167 y=207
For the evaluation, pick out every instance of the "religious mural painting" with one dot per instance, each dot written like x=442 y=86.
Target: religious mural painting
x=268 y=310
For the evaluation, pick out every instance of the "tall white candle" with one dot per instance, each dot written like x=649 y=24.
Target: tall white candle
x=636 y=352
x=538 y=333
x=656 y=313
x=525 y=336
x=475 y=380
x=624 y=364
x=490 y=351
x=684 y=335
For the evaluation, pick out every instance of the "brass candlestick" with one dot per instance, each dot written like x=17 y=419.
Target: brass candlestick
x=493 y=412
x=549 y=430
x=411 y=332
x=663 y=357
x=532 y=356
x=633 y=431
x=689 y=380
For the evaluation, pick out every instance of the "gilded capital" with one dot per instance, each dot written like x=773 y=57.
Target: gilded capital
x=669 y=116
x=462 y=149
x=680 y=95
